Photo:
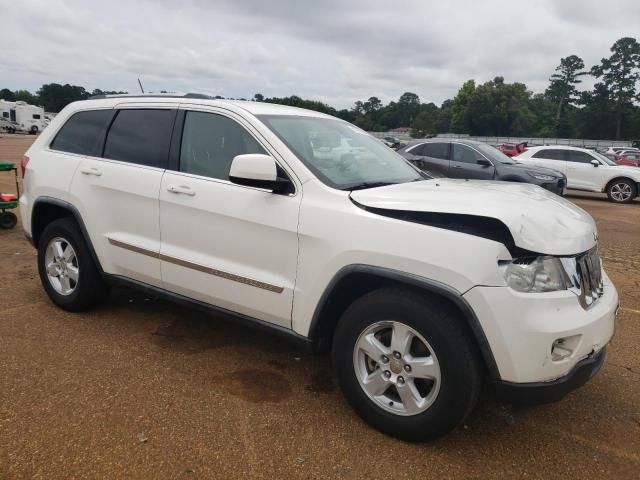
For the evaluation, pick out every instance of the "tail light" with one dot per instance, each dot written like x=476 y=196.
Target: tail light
x=23 y=164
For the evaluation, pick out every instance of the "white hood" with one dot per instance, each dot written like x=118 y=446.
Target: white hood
x=538 y=220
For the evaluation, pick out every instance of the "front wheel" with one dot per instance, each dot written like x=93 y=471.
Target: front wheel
x=8 y=220
x=406 y=364
x=621 y=191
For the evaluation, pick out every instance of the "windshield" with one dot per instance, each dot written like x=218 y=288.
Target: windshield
x=340 y=154
x=493 y=153
x=602 y=158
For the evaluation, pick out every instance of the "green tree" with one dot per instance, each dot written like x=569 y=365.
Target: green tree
x=54 y=97
x=459 y=116
x=562 y=88
x=422 y=125
x=6 y=94
x=258 y=97
x=25 y=96
x=619 y=75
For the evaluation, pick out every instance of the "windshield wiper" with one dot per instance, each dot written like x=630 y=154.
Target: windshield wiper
x=363 y=185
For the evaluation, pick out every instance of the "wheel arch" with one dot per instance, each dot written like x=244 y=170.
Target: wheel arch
x=353 y=281
x=615 y=179
x=48 y=209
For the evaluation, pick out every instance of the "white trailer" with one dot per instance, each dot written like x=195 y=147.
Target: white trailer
x=5 y=116
x=29 y=118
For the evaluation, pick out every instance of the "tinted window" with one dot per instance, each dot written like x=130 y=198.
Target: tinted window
x=5 y=114
x=436 y=150
x=141 y=137
x=549 y=154
x=83 y=133
x=578 y=157
x=210 y=142
x=36 y=116
x=464 y=154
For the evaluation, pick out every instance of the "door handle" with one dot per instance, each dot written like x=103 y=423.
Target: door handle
x=182 y=189
x=91 y=171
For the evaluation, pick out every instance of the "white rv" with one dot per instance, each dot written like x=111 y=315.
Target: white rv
x=20 y=116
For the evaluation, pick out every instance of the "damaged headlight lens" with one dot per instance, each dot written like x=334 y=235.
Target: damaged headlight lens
x=534 y=275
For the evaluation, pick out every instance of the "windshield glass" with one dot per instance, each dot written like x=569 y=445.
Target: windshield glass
x=340 y=154
x=604 y=159
x=493 y=153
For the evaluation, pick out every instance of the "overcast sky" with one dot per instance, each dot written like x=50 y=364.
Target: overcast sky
x=336 y=51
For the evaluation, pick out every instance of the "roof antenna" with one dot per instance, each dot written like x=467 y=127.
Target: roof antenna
x=140 y=83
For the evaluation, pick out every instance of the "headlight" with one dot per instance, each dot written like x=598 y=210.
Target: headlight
x=542 y=176
x=533 y=275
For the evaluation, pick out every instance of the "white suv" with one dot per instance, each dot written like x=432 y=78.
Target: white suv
x=587 y=170
x=421 y=287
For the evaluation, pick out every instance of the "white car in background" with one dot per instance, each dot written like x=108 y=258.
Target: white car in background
x=587 y=170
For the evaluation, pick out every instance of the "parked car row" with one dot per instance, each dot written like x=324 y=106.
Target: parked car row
x=476 y=160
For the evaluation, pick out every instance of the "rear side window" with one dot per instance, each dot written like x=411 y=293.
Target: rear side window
x=550 y=154
x=83 y=133
x=210 y=142
x=436 y=150
x=140 y=136
x=578 y=157
x=36 y=116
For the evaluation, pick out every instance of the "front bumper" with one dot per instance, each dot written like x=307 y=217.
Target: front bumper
x=523 y=328
x=559 y=187
x=535 y=393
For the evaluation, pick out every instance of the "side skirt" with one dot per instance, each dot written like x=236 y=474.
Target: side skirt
x=297 y=340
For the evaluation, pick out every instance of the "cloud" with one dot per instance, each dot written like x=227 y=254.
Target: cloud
x=334 y=51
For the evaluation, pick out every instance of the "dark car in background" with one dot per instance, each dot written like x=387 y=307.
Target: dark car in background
x=476 y=160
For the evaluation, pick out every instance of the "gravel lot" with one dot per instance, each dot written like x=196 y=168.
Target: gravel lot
x=141 y=388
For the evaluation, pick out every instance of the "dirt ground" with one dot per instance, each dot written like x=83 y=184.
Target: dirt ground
x=141 y=388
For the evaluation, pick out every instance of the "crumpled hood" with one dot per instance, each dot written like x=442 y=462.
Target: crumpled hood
x=538 y=220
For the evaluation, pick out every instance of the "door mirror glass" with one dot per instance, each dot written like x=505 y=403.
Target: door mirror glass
x=255 y=170
x=595 y=163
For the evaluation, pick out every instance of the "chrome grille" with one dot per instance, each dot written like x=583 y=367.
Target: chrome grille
x=589 y=276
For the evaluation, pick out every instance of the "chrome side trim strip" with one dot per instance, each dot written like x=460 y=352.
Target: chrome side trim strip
x=197 y=267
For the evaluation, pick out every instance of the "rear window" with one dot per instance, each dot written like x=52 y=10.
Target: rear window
x=140 y=136
x=550 y=154
x=83 y=133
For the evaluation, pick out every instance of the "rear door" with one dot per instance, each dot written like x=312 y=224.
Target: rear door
x=464 y=163
x=231 y=246
x=554 y=158
x=433 y=157
x=116 y=191
x=581 y=173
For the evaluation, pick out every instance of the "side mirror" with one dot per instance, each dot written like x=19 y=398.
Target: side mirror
x=595 y=163
x=259 y=171
x=484 y=162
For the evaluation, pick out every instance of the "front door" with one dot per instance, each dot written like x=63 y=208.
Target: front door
x=581 y=173
x=228 y=245
x=469 y=163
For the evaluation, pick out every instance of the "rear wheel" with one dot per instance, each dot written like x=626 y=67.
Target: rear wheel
x=621 y=191
x=67 y=270
x=406 y=364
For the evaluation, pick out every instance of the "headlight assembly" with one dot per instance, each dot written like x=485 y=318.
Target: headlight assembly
x=535 y=275
x=542 y=176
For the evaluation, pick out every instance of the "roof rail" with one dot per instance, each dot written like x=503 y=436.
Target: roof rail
x=147 y=95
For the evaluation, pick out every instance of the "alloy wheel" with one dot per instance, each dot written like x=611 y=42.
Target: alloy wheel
x=61 y=263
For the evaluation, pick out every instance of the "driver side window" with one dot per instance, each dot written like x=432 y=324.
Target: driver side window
x=210 y=142
x=464 y=154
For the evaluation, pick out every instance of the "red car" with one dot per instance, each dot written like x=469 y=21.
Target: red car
x=628 y=157
x=512 y=149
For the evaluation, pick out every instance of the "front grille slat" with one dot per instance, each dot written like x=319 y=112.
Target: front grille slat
x=589 y=271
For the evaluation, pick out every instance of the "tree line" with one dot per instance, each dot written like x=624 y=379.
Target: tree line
x=494 y=108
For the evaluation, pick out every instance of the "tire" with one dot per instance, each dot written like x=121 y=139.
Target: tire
x=621 y=190
x=34 y=130
x=447 y=401
x=88 y=289
x=8 y=220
